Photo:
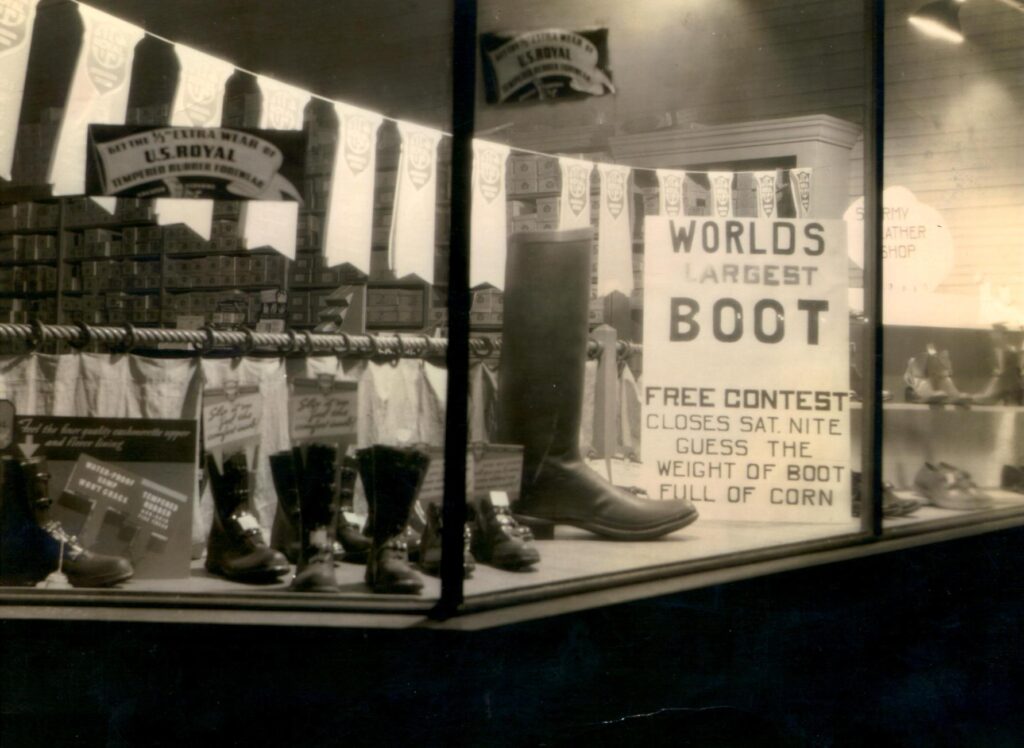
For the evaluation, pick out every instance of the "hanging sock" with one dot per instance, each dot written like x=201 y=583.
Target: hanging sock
x=614 y=235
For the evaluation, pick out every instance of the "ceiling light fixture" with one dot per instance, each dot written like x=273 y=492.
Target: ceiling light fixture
x=940 y=19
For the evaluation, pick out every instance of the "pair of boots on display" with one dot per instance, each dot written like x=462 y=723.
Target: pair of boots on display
x=33 y=545
x=306 y=525
x=540 y=395
x=492 y=537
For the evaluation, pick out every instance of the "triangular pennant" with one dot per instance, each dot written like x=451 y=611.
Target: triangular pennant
x=413 y=224
x=17 y=19
x=488 y=231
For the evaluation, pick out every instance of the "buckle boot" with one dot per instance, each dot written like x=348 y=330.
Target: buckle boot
x=392 y=478
x=498 y=540
x=235 y=548
x=317 y=517
x=540 y=395
x=32 y=545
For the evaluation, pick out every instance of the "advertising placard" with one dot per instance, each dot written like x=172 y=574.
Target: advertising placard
x=231 y=418
x=195 y=162
x=746 y=367
x=545 y=64
x=123 y=486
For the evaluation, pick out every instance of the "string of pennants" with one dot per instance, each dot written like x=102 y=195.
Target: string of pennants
x=99 y=94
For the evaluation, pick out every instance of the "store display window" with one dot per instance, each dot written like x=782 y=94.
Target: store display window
x=680 y=293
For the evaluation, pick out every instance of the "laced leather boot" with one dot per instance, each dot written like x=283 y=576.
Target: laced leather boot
x=284 y=534
x=540 y=395
x=498 y=540
x=317 y=517
x=236 y=548
x=32 y=545
x=392 y=478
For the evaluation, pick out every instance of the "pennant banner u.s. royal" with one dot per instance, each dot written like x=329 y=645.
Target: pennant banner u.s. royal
x=349 y=228
x=413 y=224
x=670 y=193
x=800 y=185
x=488 y=221
x=721 y=193
x=268 y=223
x=98 y=94
x=198 y=101
x=545 y=64
x=764 y=186
x=16 y=20
x=614 y=237
x=574 y=207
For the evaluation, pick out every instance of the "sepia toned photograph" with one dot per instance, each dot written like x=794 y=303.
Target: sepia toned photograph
x=506 y=372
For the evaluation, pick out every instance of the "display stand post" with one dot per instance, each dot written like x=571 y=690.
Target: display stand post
x=606 y=394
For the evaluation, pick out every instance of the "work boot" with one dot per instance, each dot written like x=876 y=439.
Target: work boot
x=317 y=516
x=32 y=545
x=235 y=548
x=284 y=534
x=354 y=545
x=392 y=478
x=540 y=395
x=430 y=545
x=498 y=540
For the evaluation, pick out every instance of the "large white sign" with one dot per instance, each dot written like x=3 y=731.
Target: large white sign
x=746 y=367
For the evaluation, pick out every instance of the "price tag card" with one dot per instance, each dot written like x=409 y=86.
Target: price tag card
x=323 y=410
x=231 y=418
x=497 y=467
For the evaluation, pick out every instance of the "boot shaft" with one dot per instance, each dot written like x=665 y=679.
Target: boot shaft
x=392 y=478
x=229 y=486
x=544 y=343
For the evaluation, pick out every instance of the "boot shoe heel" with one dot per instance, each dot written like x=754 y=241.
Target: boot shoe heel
x=542 y=529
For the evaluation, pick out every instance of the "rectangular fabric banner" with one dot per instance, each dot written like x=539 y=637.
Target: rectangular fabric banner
x=746 y=385
x=488 y=233
x=721 y=193
x=574 y=203
x=199 y=102
x=348 y=233
x=98 y=94
x=614 y=237
x=670 y=193
x=269 y=223
x=800 y=185
x=764 y=183
x=16 y=21
x=413 y=224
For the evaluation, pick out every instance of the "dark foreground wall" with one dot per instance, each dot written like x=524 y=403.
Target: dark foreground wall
x=921 y=647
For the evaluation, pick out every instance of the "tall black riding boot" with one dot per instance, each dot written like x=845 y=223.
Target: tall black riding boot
x=32 y=545
x=540 y=394
x=284 y=534
x=235 y=548
x=392 y=478
x=317 y=518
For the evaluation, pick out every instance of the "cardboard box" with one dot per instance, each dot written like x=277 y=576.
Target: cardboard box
x=522 y=186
